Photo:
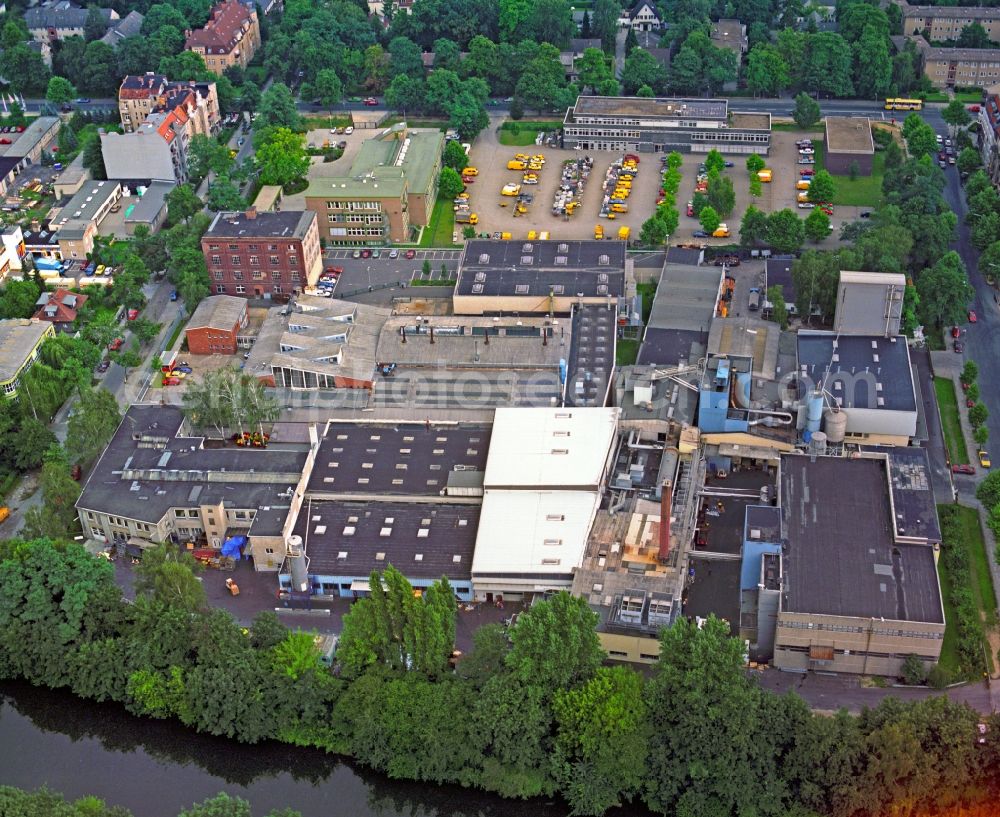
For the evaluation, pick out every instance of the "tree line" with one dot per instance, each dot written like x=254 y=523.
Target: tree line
x=531 y=711
x=44 y=803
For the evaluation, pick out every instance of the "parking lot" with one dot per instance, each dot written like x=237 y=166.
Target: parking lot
x=360 y=273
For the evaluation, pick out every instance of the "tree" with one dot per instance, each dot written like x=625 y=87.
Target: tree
x=19 y=298
x=206 y=154
x=969 y=160
x=277 y=108
x=450 y=183
x=229 y=400
x=405 y=58
x=753 y=228
x=756 y=188
x=969 y=373
x=988 y=491
x=222 y=805
x=641 y=68
x=327 y=88
x=93 y=158
x=95 y=25
x=168 y=575
x=59 y=90
x=709 y=219
x=817 y=226
x=806 y=112
x=779 y=312
x=145 y=330
x=922 y=141
x=981 y=435
x=822 y=188
x=601 y=741
x=785 y=231
x=593 y=69
x=282 y=157
x=91 y=424
x=224 y=195
x=56 y=518
x=755 y=164
x=714 y=162
x=653 y=232
x=182 y=203
x=955 y=114
x=604 y=23
x=645 y=92
x=978 y=415
x=893 y=156
x=767 y=72
x=873 y=71
x=250 y=97
x=25 y=70
x=944 y=291
x=721 y=195
x=551 y=21
x=555 y=644
x=455 y=156
x=29 y=444
x=406 y=93
x=974 y=36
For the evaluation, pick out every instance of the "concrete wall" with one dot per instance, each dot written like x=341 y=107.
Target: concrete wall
x=635 y=649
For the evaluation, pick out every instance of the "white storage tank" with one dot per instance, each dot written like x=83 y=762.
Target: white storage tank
x=835 y=425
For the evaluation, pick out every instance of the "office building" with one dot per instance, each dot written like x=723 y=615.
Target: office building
x=641 y=125
x=20 y=341
x=262 y=255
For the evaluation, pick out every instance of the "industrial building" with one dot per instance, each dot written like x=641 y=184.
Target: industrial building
x=869 y=303
x=546 y=472
x=505 y=277
x=157 y=481
x=215 y=326
x=688 y=297
x=849 y=144
x=20 y=341
x=861 y=386
x=660 y=125
x=857 y=585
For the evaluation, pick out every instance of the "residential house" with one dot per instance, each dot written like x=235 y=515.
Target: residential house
x=57 y=21
x=643 y=16
x=128 y=26
x=230 y=37
x=149 y=93
x=59 y=308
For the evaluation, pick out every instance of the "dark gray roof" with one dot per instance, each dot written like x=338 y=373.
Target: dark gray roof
x=347 y=538
x=839 y=555
x=689 y=256
x=864 y=361
x=269 y=224
x=714 y=590
x=665 y=347
x=779 y=273
x=60 y=15
x=591 y=356
x=592 y=268
x=401 y=459
x=766 y=521
x=145 y=482
x=912 y=494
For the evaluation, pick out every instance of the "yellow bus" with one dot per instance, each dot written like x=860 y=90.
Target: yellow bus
x=904 y=104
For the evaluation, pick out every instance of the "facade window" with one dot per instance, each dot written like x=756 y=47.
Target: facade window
x=220 y=289
x=216 y=259
x=235 y=260
x=293 y=261
x=276 y=289
x=219 y=275
x=254 y=260
x=272 y=247
x=257 y=275
x=237 y=275
x=275 y=261
x=240 y=289
x=252 y=247
x=275 y=275
x=234 y=247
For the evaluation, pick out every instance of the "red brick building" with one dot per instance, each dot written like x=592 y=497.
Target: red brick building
x=215 y=326
x=262 y=255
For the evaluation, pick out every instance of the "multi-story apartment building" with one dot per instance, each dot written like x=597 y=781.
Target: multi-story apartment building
x=946 y=22
x=230 y=37
x=145 y=94
x=262 y=255
x=157 y=150
x=20 y=341
x=46 y=24
x=390 y=189
x=948 y=67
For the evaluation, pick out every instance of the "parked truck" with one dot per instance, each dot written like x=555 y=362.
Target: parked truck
x=466 y=217
x=624 y=233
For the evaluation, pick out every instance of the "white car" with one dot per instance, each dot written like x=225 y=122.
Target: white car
x=806 y=160
x=348 y=129
x=806 y=151
x=394 y=253
x=806 y=205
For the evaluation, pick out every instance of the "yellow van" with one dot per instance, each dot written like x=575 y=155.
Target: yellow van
x=516 y=164
x=598 y=232
x=764 y=175
x=505 y=236
x=802 y=184
x=470 y=171
x=619 y=208
x=543 y=235
x=534 y=166
x=722 y=231
x=532 y=235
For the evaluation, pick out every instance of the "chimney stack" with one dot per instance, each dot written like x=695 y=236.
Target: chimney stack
x=664 y=522
x=251 y=213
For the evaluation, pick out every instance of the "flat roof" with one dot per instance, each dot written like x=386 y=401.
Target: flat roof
x=763 y=523
x=550 y=448
x=651 y=108
x=391 y=163
x=849 y=134
x=218 y=312
x=533 y=534
x=840 y=558
x=686 y=297
x=149 y=468
x=18 y=337
x=147 y=207
x=352 y=539
x=88 y=201
x=668 y=347
x=915 y=511
x=591 y=355
x=876 y=366
x=542 y=268
x=396 y=458
x=746 y=120
x=265 y=224
x=714 y=589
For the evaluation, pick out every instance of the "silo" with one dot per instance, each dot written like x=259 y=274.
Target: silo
x=815 y=411
x=817 y=444
x=297 y=565
x=835 y=425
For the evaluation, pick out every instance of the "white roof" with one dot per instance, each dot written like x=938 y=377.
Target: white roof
x=880 y=278
x=550 y=447
x=537 y=532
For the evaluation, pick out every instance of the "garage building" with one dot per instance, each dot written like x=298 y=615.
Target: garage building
x=848 y=141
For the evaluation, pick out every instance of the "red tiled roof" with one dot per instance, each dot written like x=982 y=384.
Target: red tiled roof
x=221 y=33
x=63 y=313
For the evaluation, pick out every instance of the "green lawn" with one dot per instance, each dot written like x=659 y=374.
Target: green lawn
x=864 y=191
x=434 y=282
x=981 y=587
x=648 y=291
x=439 y=231
x=522 y=134
x=626 y=351
x=951 y=424
x=326 y=122
x=174 y=335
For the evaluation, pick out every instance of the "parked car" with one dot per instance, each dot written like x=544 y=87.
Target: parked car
x=984 y=459
x=866 y=214
x=956 y=332
x=348 y=130
x=116 y=344
x=411 y=254
x=371 y=102
x=700 y=234
x=959 y=347
x=690 y=209
x=972 y=317
x=91 y=269
x=394 y=253
x=366 y=253
x=806 y=160
x=104 y=366
x=183 y=369
x=331 y=270
x=83 y=100
x=973 y=109
x=963 y=469
x=356 y=254
x=173 y=295
x=171 y=381
x=133 y=314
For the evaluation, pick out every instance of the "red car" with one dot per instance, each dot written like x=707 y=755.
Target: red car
x=133 y=314
x=956 y=332
x=468 y=179
x=972 y=317
x=807 y=172
x=171 y=381
x=366 y=253
x=973 y=109
x=116 y=344
x=411 y=254
x=371 y=101
x=690 y=208
x=963 y=469
x=333 y=270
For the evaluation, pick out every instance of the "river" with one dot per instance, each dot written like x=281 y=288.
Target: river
x=156 y=768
